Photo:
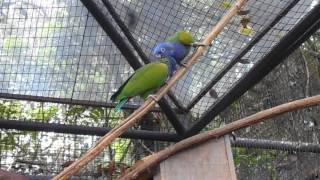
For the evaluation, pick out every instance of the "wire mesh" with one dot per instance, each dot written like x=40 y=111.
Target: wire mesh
x=297 y=77
x=57 y=49
x=45 y=154
x=157 y=20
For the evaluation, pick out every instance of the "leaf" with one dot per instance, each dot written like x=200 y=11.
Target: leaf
x=213 y=93
x=44 y=113
x=14 y=42
x=96 y=114
x=245 y=21
x=119 y=146
x=225 y=4
x=247 y=31
x=7 y=141
x=243 y=12
x=76 y=110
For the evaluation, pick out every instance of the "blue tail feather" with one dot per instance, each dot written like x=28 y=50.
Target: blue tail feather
x=120 y=104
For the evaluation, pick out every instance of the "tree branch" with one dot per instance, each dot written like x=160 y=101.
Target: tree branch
x=152 y=160
x=149 y=103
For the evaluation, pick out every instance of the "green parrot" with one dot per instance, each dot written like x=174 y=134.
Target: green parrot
x=143 y=82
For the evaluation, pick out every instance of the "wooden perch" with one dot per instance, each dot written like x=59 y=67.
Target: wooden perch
x=152 y=160
x=149 y=103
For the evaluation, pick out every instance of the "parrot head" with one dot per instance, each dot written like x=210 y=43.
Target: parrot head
x=163 y=49
x=171 y=49
x=183 y=37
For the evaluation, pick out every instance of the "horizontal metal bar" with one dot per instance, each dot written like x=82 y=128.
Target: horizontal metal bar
x=84 y=130
x=241 y=53
x=154 y=136
x=68 y=101
x=276 y=145
x=303 y=30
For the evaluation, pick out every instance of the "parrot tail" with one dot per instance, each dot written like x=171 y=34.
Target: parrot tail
x=120 y=104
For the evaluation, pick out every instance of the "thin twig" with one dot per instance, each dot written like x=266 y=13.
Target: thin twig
x=307 y=91
x=152 y=160
x=150 y=102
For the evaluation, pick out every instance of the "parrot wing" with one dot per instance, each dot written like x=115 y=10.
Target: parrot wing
x=146 y=78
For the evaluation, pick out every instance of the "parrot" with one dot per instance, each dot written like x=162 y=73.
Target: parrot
x=176 y=46
x=144 y=81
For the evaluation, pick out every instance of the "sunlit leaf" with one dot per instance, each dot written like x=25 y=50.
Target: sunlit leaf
x=246 y=31
x=225 y=4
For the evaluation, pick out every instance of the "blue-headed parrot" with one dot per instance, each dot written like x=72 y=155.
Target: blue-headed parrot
x=143 y=82
x=176 y=46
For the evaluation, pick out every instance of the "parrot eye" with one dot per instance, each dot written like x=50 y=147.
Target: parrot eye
x=163 y=50
x=158 y=55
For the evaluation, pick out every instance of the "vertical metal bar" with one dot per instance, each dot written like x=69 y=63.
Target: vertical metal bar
x=127 y=52
x=241 y=53
x=292 y=40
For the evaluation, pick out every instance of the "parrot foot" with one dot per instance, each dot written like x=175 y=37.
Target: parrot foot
x=154 y=97
x=183 y=64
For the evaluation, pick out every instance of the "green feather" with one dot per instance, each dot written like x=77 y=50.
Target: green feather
x=144 y=81
x=116 y=94
x=120 y=104
x=182 y=37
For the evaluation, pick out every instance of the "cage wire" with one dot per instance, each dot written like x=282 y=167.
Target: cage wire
x=38 y=153
x=56 y=51
x=297 y=77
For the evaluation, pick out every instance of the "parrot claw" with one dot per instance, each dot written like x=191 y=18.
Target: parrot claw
x=154 y=97
x=183 y=64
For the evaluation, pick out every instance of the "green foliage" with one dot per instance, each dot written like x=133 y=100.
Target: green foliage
x=75 y=111
x=255 y=158
x=96 y=114
x=10 y=110
x=120 y=147
x=14 y=42
x=114 y=118
x=48 y=29
x=7 y=141
x=44 y=113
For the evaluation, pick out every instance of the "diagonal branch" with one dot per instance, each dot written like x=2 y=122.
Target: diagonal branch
x=149 y=103
x=152 y=160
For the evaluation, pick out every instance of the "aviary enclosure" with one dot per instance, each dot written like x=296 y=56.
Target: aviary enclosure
x=60 y=61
